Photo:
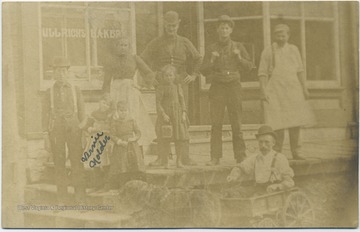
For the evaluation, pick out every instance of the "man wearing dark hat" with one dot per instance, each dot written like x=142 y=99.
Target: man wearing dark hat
x=65 y=109
x=269 y=168
x=222 y=65
x=178 y=51
x=284 y=91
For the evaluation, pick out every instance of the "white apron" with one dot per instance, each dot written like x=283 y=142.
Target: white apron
x=287 y=106
x=126 y=90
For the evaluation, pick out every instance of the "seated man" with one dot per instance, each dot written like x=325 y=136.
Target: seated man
x=270 y=169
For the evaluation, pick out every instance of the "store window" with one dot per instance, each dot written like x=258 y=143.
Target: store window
x=213 y=10
x=313 y=31
x=320 y=52
x=85 y=33
x=313 y=25
x=288 y=9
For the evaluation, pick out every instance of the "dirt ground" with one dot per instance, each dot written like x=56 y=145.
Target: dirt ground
x=334 y=199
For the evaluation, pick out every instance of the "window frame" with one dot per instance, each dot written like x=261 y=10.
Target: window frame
x=266 y=16
x=83 y=84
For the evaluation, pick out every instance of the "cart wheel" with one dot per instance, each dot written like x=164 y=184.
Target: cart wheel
x=298 y=211
x=266 y=223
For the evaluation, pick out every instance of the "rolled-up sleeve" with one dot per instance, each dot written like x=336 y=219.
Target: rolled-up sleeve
x=149 y=54
x=146 y=72
x=248 y=165
x=265 y=63
x=194 y=56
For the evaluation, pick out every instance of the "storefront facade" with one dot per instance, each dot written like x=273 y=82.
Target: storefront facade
x=326 y=34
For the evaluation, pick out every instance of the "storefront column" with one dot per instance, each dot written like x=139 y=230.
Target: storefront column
x=32 y=67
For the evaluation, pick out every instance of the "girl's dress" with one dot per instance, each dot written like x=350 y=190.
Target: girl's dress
x=170 y=101
x=125 y=158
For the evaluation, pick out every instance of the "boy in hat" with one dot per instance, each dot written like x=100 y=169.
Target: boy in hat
x=65 y=112
x=222 y=64
x=269 y=168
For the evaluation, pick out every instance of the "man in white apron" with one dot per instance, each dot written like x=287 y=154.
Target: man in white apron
x=284 y=91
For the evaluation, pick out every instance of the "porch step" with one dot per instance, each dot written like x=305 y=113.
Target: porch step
x=201 y=175
x=200 y=139
x=204 y=131
x=199 y=146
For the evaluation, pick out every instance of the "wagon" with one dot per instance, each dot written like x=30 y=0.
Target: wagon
x=288 y=208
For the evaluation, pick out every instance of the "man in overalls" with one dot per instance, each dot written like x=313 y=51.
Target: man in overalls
x=269 y=168
x=65 y=109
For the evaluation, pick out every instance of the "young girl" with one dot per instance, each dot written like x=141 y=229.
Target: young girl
x=126 y=159
x=172 y=121
x=98 y=123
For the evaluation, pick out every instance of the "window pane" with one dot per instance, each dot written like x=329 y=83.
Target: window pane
x=106 y=27
x=146 y=24
x=250 y=33
x=63 y=34
x=233 y=9
x=285 y=8
x=320 y=52
x=318 y=9
x=75 y=41
x=51 y=45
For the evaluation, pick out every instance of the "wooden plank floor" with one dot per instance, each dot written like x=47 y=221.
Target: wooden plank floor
x=311 y=150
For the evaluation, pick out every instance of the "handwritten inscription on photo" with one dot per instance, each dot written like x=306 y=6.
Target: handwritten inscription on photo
x=99 y=143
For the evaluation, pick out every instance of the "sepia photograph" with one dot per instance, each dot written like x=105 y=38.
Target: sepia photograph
x=180 y=114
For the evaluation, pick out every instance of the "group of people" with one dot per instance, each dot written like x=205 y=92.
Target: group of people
x=119 y=130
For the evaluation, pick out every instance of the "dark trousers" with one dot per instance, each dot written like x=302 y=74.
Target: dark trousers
x=226 y=95
x=294 y=136
x=70 y=136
